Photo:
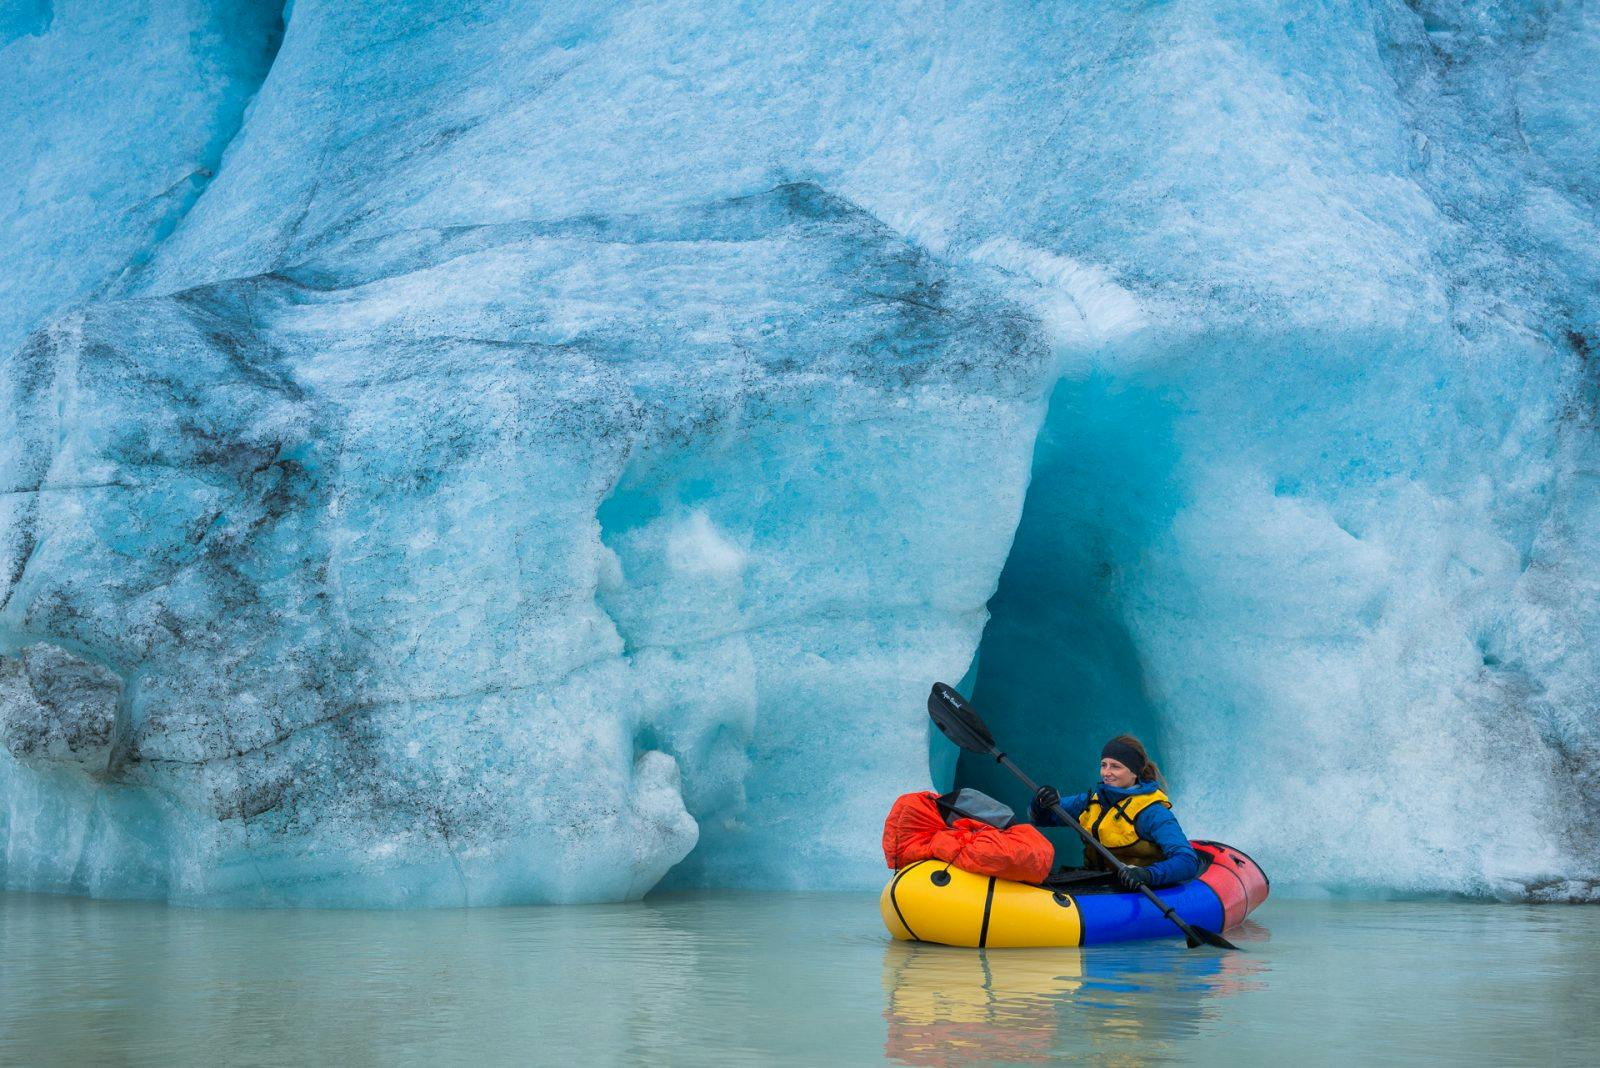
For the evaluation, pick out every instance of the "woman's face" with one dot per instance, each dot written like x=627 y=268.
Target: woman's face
x=1116 y=773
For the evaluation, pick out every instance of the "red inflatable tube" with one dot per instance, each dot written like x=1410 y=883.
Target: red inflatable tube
x=1238 y=881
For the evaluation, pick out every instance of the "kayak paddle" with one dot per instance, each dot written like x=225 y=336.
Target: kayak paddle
x=959 y=722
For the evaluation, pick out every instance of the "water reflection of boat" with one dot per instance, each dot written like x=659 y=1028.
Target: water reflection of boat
x=945 y=1007
x=948 y=1006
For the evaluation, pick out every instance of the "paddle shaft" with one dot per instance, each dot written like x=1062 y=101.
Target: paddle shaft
x=1094 y=843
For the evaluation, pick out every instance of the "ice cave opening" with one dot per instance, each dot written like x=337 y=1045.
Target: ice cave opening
x=1058 y=670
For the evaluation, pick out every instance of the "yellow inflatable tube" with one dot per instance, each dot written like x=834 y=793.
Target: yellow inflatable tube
x=958 y=908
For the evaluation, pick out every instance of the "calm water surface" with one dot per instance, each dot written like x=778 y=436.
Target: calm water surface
x=783 y=978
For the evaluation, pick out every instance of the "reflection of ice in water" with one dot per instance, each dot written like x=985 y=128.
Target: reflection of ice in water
x=948 y=1006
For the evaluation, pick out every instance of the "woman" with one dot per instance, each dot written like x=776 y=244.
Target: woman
x=1130 y=815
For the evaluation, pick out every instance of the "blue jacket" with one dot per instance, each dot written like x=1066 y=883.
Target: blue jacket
x=1155 y=824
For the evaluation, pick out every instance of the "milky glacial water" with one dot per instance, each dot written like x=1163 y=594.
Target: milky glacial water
x=735 y=978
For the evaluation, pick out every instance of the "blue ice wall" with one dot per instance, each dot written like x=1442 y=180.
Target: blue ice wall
x=1303 y=530
x=115 y=118
x=470 y=453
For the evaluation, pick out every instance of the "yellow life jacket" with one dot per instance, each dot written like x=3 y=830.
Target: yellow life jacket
x=1112 y=826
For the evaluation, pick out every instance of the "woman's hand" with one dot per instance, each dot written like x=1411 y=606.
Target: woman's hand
x=1047 y=798
x=1133 y=877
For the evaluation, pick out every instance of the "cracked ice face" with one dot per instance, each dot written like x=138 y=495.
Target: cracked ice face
x=380 y=545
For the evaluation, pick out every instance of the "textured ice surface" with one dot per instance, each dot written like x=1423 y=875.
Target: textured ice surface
x=114 y=117
x=418 y=559
x=1326 y=532
x=527 y=448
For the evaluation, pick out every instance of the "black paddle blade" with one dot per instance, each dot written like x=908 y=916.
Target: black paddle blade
x=1199 y=935
x=957 y=721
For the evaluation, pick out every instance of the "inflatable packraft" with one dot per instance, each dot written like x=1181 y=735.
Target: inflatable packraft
x=933 y=901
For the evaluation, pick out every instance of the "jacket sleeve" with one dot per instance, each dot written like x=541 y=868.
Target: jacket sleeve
x=1157 y=824
x=1042 y=817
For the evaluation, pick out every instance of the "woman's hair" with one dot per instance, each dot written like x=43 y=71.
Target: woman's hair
x=1147 y=770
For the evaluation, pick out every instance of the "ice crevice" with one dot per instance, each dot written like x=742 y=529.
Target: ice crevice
x=145 y=100
x=262 y=23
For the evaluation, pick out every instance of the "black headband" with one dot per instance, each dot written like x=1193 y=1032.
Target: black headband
x=1124 y=754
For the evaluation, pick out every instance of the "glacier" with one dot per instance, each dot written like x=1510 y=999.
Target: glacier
x=470 y=454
